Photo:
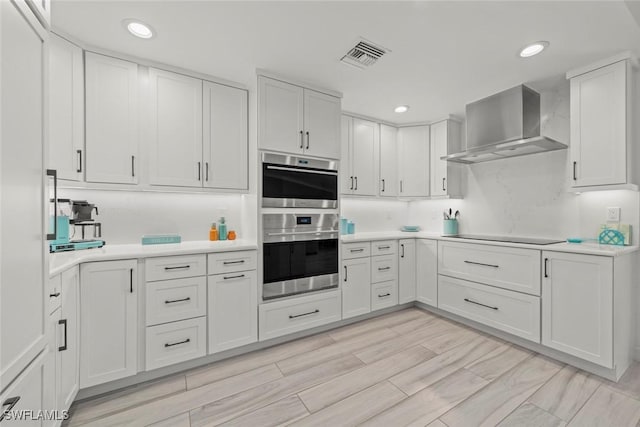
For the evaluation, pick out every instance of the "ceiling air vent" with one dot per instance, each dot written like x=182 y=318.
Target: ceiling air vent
x=364 y=54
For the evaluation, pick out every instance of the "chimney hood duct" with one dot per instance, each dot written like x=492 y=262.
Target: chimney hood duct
x=503 y=125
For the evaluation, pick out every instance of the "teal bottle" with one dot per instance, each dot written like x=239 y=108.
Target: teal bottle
x=222 y=229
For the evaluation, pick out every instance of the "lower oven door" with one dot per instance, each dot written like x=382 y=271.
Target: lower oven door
x=298 y=267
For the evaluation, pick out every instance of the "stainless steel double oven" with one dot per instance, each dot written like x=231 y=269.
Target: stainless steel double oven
x=299 y=237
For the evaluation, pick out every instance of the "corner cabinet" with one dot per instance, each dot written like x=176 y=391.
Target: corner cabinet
x=111 y=120
x=297 y=120
x=602 y=100
x=446 y=177
x=388 y=161
x=359 y=159
x=413 y=142
x=109 y=321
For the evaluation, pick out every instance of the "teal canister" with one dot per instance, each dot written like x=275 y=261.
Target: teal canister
x=351 y=227
x=344 y=222
x=450 y=227
x=222 y=229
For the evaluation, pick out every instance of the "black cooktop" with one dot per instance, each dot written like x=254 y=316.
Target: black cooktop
x=510 y=239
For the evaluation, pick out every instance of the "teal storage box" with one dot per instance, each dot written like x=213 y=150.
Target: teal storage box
x=161 y=239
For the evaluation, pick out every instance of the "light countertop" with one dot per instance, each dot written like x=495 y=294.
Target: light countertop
x=580 y=248
x=59 y=262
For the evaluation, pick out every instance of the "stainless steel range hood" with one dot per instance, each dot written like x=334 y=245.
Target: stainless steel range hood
x=506 y=124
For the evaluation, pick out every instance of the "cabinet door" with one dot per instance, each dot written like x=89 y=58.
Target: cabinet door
x=66 y=109
x=22 y=246
x=280 y=115
x=42 y=8
x=233 y=310
x=109 y=319
x=364 y=157
x=388 y=161
x=577 y=301
x=67 y=349
x=25 y=394
x=321 y=124
x=225 y=139
x=598 y=126
x=356 y=287
x=176 y=129
x=439 y=137
x=414 y=161
x=407 y=271
x=346 y=174
x=427 y=271
x=111 y=119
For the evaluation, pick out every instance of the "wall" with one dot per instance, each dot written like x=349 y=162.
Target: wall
x=374 y=214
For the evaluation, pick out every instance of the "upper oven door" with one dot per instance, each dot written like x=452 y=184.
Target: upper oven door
x=289 y=181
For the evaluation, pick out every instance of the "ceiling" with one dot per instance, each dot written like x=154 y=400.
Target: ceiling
x=443 y=53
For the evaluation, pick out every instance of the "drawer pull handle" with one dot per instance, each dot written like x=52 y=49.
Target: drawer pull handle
x=233 y=262
x=64 y=323
x=384 y=268
x=233 y=277
x=345 y=273
x=57 y=294
x=293 y=316
x=479 y=303
x=177 y=343
x=384 y=295
x=171 y=301
x=384 y=247
x=402 y=247
x=482 y=264
x=546 y=267
x=180 y=267
x=9 y=403
x=356 y=250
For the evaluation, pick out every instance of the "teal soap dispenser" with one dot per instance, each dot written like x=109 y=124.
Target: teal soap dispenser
x=222 y=229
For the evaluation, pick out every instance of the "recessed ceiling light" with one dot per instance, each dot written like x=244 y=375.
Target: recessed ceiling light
x=138 y=28
x=533 y=49
x=401 y=109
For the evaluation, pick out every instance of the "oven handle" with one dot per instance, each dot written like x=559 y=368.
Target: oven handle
x=297 y=233
x=315 y=172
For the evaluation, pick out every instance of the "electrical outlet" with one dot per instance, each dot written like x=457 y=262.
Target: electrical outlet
x=613 y=214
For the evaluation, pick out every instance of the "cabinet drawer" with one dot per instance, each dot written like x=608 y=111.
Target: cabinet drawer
x=515 y=269
x=384 y=247
x=384 y=295
x=384 y=268
x=55 y=293
x=175 y=267
x=177 y=299
x=284 y=317
x=228 y=262
x=356 y=250
x=512 y=312
x=176 y=342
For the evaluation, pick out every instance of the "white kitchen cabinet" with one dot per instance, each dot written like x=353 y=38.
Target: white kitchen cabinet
x=407 y=271
x=360 y=148
x=66 y=109
x=68 y=350
x=233 y=310
x=26 y=393
x=388 y=161
x=446 y=177
x=601 y=135
x=42 y=9
x=109 y=319
x=413 y=169
x=225 y=137
x=23 y=264
x=175 y=140
x=111 y=120
x=427 y=271
x=297 y=120
x=356 y=287
x=577 y=305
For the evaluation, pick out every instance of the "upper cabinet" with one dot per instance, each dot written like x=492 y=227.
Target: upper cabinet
x=111 y=120
x=360 y=148
x=389 y=182
x=66 y=109
x=297 y=120
x=601 y=126
x=413 y=166
x=42 y=9
x=445 y=176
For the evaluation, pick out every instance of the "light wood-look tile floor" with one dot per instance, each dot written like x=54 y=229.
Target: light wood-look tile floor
x=405 y=368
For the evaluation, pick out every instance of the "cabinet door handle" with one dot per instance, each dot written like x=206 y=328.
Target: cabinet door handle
x=64 y=323
x=301 y=139
x=293 y=316
x=402 y=250
x=131 y=280
x=482 y=264
x=383 y=185
x=133 y=165
x=206 y=171
x=177 y=343
x=443 y=188
x=546 y=266
x=351 y=178
x=575 y=175
x=345 y=273
x=384 y=247
x=356 y=250
x=199 y=170
x=356 y=183
x=9 y=403
x=54 y=295
x=307 y=140
x=401 y=186
x=179 y=267
x=173 y=301
x=233 y=262
x=384 y=295
x=79 y=169
x=233 y=277
x=479 y=303
x=384 y=268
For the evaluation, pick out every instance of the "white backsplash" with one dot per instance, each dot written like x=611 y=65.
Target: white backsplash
x=374 y=214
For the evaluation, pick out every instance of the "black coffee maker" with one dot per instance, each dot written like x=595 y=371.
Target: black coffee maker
x=82 y=212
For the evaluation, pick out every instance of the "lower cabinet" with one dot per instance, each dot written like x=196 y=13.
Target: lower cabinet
x=26 y=393
x=407 y=271
x=67 y=349
x=384 y=294
x=356 y=287
x=109 y=321
x=233 y=313
x=427 y=271
x=577 y=306
x=175 y=342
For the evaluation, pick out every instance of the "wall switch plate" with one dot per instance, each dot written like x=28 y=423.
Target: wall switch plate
x=613 y=214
